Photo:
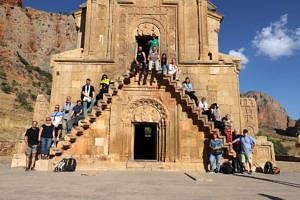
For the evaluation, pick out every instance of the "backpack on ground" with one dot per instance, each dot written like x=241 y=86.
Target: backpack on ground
x=66 y=165
x=268 y=168
x=226 y=168
x=237 y=166
x=276 y=170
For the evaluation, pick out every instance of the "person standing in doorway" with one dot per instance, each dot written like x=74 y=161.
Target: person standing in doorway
x=153 y=43
x=32 y=142
x=87 y=97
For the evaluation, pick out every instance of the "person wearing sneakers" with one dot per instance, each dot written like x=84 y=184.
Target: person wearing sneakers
x=46 y=138
x=32 y=142
x=216 y=146
x=247 y=144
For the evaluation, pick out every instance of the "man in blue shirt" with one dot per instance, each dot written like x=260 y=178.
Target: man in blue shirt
x=247 y=144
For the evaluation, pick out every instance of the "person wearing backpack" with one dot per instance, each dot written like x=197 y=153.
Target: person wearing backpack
x=216 y=146
x=247 y=145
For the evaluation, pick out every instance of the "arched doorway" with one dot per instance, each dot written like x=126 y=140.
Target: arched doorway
x=144 y=33
x=147 y=119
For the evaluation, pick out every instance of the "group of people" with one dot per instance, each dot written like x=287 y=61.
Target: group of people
x=243 y=145
x=61 y=121
x=154 y=60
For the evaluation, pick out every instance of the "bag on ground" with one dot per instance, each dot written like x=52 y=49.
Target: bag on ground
x=226 y=168
x=66 y=165
x=268 y=168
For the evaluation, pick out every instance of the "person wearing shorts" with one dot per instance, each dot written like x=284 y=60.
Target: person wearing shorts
x=247 y=144
x=32 y=142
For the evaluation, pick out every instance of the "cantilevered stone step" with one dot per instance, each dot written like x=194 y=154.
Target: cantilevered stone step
x=55 y=151
x=71 y=138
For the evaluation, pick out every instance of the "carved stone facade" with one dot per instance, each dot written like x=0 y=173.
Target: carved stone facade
x=249 y=115
x=187 y=31
x=41 y=109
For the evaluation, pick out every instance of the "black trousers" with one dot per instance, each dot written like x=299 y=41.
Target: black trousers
x=193 y=96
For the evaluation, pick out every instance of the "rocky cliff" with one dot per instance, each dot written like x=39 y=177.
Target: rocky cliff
x=34 y=34
x=28 y=38
x=270 y=113
x=11 y=2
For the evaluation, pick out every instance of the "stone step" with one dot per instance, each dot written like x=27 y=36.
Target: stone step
x=55 y=151
x=71 y=138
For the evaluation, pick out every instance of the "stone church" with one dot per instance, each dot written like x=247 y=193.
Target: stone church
x=156 y=125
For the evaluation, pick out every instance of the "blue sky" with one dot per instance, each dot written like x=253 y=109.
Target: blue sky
x=263 y=32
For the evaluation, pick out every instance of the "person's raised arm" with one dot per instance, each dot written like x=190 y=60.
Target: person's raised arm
x=40 y=133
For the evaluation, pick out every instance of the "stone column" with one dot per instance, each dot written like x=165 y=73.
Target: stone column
x=203 y=29
x=98 y=23
x=188 y=31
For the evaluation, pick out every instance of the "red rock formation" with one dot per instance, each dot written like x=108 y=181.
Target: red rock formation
x=11 y=2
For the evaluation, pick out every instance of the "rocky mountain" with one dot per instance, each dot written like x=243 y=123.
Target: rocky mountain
x=28 y=38
x=33 y=34
x=11 y=2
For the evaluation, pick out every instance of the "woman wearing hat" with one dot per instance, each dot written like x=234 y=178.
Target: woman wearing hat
x=216 y=146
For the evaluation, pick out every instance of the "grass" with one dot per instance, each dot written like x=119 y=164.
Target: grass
x=22 y=99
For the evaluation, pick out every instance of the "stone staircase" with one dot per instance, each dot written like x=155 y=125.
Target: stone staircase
x=62 y=148
x=174 y=87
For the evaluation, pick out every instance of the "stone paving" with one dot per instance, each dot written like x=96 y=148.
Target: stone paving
x=137 y=185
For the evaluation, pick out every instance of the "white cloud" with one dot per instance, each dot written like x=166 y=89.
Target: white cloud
x=276 y=40
x=239 y=53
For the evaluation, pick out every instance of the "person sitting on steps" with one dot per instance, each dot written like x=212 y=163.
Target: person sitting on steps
x=154 y=59
x=104 y=88
x=227 y=124
x=173 y=69
x=216 y=116
x=76 y=113
x=188 y=88
x=164 y=63
x=87 y=97
x=203 y=105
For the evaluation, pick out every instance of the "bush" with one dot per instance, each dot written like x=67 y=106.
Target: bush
x=6 y=88
x=22 y=99
x=33 y=97
x=279 y=148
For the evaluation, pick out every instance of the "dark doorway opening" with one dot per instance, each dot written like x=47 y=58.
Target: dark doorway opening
x=143 y=42
x=145 y=141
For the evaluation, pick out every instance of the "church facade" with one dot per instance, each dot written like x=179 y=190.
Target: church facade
x=152 y=125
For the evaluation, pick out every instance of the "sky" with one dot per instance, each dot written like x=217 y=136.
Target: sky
x=264 y=34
